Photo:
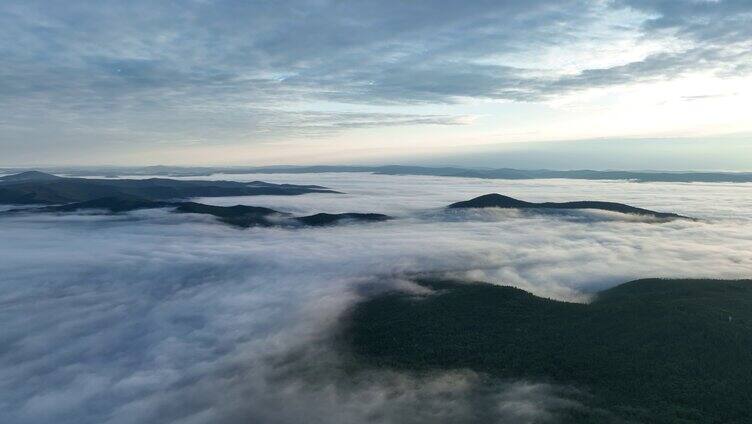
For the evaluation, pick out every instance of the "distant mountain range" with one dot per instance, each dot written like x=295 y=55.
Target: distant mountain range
x=238 y=216
x=647 y=351
x=123 y=195
x=496 y=200
x=447 y=171
x=38 y=187
x=520 y=174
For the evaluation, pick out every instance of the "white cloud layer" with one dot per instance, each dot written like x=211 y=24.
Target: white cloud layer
x=156 y=317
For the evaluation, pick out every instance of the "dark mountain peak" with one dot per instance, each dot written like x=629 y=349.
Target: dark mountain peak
x=323 y=219
x=496 y=200
x=236 y=211
x=493 y=200
x=30 y=176
x=238 y=215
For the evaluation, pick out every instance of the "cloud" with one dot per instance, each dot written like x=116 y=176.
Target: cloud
x=158 y=317
x=718 y=22
x=229 y=71
x=422 y=51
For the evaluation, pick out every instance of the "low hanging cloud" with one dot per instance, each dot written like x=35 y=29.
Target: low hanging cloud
x=157 y=317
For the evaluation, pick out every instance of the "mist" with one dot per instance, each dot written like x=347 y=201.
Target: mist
x=157 y=317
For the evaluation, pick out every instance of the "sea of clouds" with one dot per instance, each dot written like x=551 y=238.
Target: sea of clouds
x=153 y=317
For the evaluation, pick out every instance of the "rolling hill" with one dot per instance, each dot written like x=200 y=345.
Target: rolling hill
x=35 y=187
x=239 y=215
x=496 y=200
x=649 y=351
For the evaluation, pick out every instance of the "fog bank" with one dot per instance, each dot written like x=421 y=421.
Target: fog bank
x=158 y=317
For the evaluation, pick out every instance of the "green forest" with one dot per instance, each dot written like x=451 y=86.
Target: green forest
x=647 y=351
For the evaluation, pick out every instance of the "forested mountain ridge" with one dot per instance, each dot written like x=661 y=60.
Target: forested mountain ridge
x=495 y=200
x=650 y=351
x=40 y=188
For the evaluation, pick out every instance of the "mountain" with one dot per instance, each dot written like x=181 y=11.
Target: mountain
x=513 y=174
x=504 y=173
x=238 y=215
x=443 y=171
x=111 y=204
x=648 y=351
x=324 y=219
x=36 y=187
x=525 y=174
x=29 y=176
x=496 y=200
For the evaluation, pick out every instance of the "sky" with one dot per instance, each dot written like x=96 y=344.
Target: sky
x=325 y=81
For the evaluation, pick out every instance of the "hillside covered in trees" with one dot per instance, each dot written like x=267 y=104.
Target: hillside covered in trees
x=649 y=351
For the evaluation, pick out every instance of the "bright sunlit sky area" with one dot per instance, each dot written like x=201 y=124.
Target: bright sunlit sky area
x=633 y=84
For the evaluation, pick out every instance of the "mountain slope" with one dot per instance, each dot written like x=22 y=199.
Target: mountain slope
x=34 y=187
x=29 y=176
x=447 y=171
x=651 y=351
x=496 y=200
x=238 y=215
x=324 y=219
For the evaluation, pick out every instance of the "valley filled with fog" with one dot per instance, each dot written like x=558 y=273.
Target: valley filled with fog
x=148 y=316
